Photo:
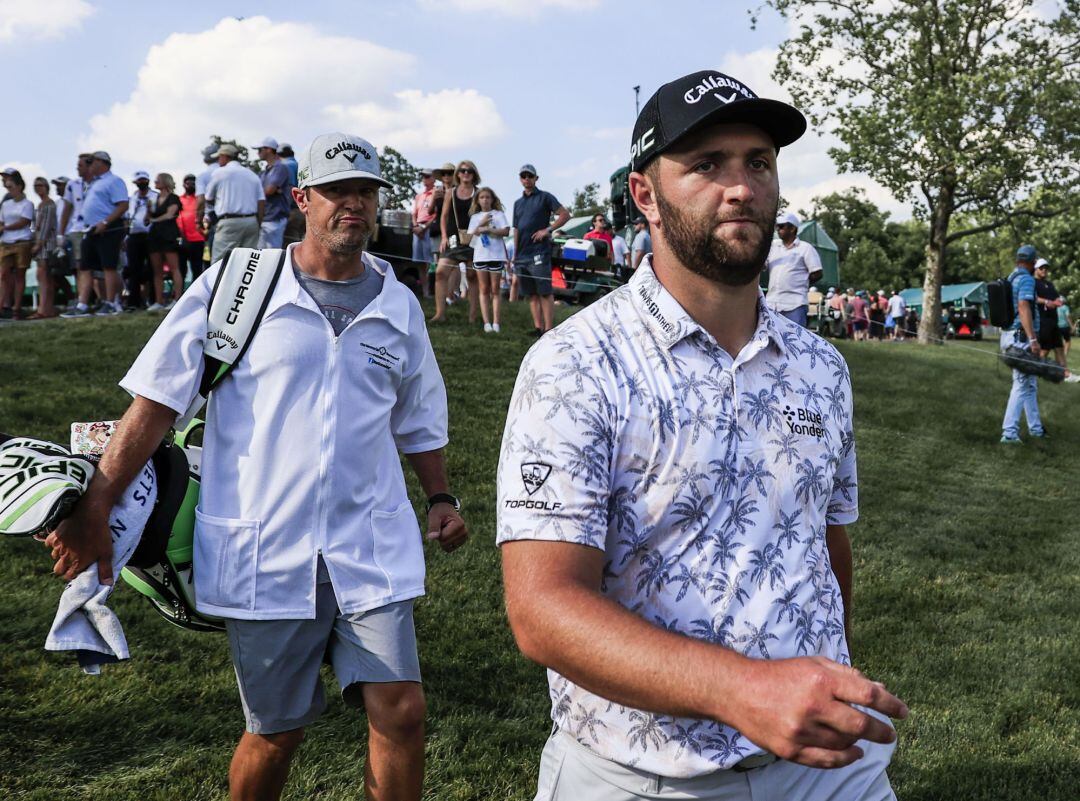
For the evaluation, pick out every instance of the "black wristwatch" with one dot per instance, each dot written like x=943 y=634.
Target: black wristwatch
x=444 y=497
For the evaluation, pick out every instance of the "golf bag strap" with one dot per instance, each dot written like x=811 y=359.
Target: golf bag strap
x=238 y=302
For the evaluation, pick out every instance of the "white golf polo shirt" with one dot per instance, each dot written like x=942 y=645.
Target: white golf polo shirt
x=300 y=453
x=789 y=274
x=706 y=481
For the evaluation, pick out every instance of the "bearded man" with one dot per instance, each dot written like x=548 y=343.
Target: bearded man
x=676 y=478
x=305 y=539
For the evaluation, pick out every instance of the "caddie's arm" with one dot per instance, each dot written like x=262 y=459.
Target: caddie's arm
x=84 y=536
x=260 y=211
x=799 y=709
x=444 y=524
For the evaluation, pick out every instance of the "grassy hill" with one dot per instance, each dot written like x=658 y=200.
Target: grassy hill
x=967 y=597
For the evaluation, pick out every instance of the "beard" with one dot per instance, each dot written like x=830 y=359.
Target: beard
x=735 y=261
x=340 y=242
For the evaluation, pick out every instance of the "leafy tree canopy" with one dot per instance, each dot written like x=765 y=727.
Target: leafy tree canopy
x=399 y=171
x=587 y=201
x=961 y=107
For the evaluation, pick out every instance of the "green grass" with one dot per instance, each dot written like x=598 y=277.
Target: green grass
x=967 y=597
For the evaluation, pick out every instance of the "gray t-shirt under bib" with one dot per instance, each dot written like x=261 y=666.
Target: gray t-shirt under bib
x=341 y=301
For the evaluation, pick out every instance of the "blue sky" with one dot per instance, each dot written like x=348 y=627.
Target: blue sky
x=501 y=82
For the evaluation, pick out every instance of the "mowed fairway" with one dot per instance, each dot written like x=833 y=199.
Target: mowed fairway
x=967 y=597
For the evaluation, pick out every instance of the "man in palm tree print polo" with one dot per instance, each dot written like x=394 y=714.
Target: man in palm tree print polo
x=676 y=476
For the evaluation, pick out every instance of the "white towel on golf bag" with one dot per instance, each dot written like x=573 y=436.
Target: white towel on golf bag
x=83 y=622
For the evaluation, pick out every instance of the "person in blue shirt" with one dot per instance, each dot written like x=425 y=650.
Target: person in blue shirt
x=1024 y=331
x=104 y=204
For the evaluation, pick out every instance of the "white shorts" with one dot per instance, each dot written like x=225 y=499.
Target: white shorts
x=570 y=772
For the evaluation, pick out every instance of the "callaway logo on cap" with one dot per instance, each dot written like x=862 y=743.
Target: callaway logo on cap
x=338 y=157
x=686 y=104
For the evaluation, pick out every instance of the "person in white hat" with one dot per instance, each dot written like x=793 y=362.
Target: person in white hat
x=239 y=203
x=793 y=266
x=306 y=541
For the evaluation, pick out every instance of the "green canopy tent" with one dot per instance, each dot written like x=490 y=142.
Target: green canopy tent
x=812 y=232
x=964 y=308
x=973 y=294
x=576 y=227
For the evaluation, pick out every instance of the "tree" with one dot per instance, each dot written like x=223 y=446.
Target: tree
x=957 y=106
x=992 y=254
x=587 y=202
x=874 y=251
x=399 y=171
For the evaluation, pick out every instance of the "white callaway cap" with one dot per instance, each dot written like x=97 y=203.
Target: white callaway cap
x=787 y=218
x=338 y=157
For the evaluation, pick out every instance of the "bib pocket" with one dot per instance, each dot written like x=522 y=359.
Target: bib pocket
x=226 y=552
x=399 y=551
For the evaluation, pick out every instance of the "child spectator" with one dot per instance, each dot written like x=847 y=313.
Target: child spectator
x=488 y=226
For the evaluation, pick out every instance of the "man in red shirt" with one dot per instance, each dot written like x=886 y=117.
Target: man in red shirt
x=194 y=239
x=599 y=231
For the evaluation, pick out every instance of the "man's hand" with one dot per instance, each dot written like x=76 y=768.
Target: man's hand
x=100 y=228
x=446 y=526
x=1036 y=351
x=541 y=235
x=801 y=710
x=82 y=539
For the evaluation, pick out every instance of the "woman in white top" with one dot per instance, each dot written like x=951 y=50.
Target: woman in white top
x=16 y=244
x=488 y=225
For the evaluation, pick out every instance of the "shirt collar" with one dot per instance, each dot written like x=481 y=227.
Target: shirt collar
x=669 y=321
x=391 y=304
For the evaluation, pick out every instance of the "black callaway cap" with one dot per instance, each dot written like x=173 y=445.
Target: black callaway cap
x=685 y=104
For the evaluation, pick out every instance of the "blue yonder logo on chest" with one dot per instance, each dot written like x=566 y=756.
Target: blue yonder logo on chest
x=804 y=421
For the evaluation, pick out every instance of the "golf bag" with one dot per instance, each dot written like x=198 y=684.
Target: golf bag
x=161 y=566
x=1016 y=356
x=40 y=482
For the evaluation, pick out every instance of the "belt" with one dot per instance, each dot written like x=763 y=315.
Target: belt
x=754 y=762
x=233 y=216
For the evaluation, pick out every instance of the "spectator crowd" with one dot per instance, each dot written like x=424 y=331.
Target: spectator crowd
x=136 y=249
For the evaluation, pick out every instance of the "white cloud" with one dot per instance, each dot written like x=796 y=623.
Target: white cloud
x=510 y=8
x=41 y=19
x=449 y=118
x=251 y=78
